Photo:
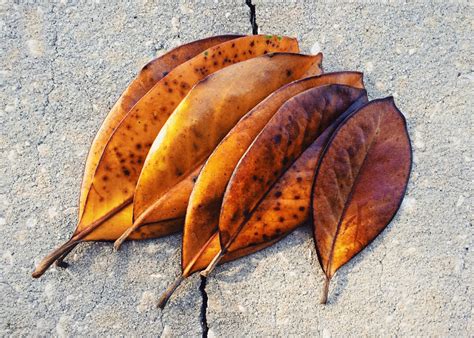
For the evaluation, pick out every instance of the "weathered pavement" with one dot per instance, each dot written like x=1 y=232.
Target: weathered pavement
x=64 y=64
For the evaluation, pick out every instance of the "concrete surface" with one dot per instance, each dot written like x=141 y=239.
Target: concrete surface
x=62 y=66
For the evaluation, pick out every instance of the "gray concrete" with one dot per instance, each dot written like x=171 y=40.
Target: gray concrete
x=62 y=67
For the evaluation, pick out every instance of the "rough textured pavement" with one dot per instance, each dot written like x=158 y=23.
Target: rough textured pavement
x=64 y=64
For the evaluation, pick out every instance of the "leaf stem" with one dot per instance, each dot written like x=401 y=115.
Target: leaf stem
x=118 y=243
x=53 y=256
x=60 y=253
x=60 y=261
x=213 y=263
x=169 y=291
x=324 y=295
x=138 y=223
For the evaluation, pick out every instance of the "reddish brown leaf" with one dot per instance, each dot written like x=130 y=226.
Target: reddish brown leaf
x=360 y=183
x=291 y=130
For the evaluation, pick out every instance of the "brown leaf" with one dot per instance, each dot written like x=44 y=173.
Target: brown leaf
x=120 y=165
x=360 y=183
x=291 y=130
x=199 y=123
x=285 y=206
x=149 y=75
x=112 y=169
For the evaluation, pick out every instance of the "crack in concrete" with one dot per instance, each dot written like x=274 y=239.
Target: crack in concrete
x=54 y=57
x=202 y=289
x=253 y=16
x=52 y=61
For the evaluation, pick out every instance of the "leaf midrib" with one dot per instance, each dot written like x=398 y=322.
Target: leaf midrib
x=349 y=198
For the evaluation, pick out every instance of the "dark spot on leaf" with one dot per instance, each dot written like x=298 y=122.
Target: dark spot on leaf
x=278 y=194
x=125 y=171
x=301 y=208
x=277 y=139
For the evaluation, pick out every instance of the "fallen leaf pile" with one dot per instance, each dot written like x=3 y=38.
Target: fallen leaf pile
x=239 y=140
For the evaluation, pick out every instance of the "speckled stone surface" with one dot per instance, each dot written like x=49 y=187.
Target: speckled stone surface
x=64 y=64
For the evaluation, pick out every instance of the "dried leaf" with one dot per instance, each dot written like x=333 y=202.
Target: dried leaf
x=121 y=163
x=199 y=123
x=267 y=224
x=149 y=75
x=291 y=130
x=107 y=209
x=202 y=216
x=285 y=207
x=360 y=183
